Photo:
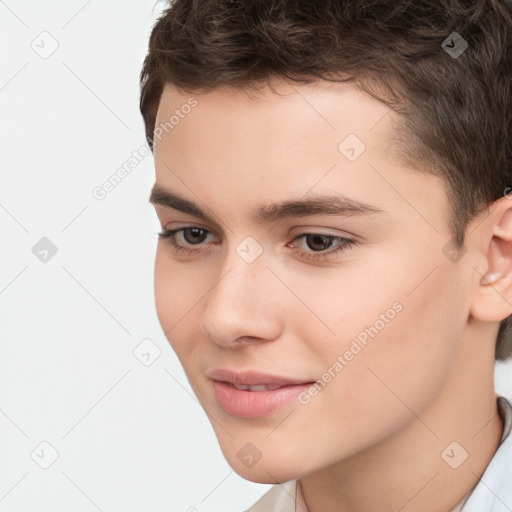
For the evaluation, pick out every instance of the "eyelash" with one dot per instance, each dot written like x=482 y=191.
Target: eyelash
x=347 y=243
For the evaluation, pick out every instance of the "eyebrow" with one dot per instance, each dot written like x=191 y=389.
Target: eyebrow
x=319 y=204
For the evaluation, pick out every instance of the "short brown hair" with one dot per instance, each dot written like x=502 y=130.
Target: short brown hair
x=456 y=108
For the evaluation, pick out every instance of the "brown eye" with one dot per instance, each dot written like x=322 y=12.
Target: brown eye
x=317 y=244
x=196 y=235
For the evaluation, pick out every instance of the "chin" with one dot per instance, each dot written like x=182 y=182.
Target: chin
x=264 y=474
x=270 y=469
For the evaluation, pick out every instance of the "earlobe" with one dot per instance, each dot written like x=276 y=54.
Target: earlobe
x=490 y=278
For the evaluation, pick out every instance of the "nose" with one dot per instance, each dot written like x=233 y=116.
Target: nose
x=244 y=304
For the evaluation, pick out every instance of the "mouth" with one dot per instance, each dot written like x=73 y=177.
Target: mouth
x=257 y=387
x=253 y=394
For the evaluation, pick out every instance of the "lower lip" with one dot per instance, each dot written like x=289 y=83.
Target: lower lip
x=255 y=404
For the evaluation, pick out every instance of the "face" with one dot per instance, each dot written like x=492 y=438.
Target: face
x=297 y=323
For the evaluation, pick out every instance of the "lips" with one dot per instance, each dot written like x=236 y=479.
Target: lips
x=251 y=378
x=252 y=394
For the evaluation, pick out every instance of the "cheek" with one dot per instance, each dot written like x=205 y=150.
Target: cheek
x=166 y=291
x=176 y=293
x=401 y=354
x=394 y=330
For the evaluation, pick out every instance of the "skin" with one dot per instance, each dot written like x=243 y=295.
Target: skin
x=372 y=438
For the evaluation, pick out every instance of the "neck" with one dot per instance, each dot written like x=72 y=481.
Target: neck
x=411 y=471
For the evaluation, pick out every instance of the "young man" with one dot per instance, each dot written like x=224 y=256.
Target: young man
x=335 y=265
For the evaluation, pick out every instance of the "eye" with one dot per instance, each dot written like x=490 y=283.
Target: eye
x=317 y=240
x=195 y=236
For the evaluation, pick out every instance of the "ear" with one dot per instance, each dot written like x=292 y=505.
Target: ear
x=492 y=300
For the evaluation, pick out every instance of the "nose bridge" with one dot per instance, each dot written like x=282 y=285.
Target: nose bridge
x=241 y=302
x=244 y=269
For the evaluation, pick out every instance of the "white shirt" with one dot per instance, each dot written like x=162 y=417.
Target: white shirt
x=491 y=493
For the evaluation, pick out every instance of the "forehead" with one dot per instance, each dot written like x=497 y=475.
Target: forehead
x=326 y=105
x=285 y=121
x=287 y=142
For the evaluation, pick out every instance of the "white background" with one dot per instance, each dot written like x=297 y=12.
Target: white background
x=129 y=437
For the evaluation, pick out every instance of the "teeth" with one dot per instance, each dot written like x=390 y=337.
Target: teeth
x=258 y=387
